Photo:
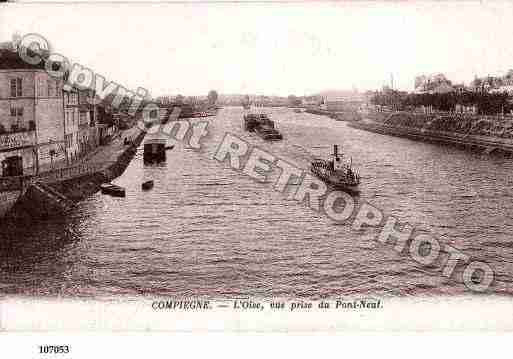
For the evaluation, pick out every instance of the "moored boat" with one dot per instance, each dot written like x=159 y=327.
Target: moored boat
x=154 y=150
x=146 y=186
x=337 y=172
x=113 y=190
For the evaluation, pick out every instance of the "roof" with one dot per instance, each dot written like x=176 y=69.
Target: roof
x=11 y=60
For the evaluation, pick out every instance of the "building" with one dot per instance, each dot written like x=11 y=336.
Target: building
x=433 y=84
x=494 y=83
x=505 y=85
x=71 y=124
x=311 y=101
x=87 y=120
x=31 y=117
x=342 y=100
x=42 y=125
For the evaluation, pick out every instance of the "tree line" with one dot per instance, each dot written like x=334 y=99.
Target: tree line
x=485 y=102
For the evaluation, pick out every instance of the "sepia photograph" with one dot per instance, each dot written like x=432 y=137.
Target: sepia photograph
x=259 y=166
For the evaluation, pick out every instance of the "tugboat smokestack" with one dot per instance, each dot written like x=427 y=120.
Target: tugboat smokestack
x=335 y=150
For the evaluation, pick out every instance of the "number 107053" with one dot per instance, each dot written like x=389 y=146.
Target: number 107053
x=53 y=349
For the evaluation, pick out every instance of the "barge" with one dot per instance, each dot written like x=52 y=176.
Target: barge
x=262 y=125
x=155 y=150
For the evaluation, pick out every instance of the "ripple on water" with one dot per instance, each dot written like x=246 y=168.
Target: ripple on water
x=205 y=229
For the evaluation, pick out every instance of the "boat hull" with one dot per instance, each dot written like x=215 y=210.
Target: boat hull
x=270 y=136
x=341 y=185
x=146 y=186
x=154 y=151
x=262 y=126
x=113 y=190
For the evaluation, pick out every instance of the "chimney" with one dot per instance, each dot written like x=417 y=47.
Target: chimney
x=335 y=150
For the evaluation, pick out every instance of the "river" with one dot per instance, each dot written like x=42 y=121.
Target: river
x=207 y=230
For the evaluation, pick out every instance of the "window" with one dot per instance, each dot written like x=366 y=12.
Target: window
x=16 y=87
x=83 y=118
x=41 y=87
x=69 y=140
x=71 y=98
x=50 y=88
x=17 y=117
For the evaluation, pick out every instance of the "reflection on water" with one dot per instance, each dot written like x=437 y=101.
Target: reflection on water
x=205 y=229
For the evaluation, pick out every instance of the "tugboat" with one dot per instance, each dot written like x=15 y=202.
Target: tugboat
x=262 y=126
x=337 y=172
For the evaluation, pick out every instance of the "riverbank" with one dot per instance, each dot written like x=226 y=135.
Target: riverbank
x=113 y=162
x=336 y=115
x=74 y=182
x=487 y=144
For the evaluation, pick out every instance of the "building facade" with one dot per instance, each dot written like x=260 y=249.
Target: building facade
x=71 y=124
x=433 y=84
x=31 y=121
x=42 y=126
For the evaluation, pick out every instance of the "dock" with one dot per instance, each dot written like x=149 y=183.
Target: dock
x=56 y=191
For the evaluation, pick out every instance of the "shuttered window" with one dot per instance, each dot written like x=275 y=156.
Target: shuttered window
x=16 y=90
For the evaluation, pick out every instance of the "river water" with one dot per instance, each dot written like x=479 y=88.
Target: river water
x=207 y=230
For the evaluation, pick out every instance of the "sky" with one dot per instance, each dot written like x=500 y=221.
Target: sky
x=272 y=48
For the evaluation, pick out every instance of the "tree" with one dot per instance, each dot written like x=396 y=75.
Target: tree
x=212 y=97
x=293 y=100
x=179 y=99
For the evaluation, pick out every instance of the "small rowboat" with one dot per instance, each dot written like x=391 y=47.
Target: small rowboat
x=146 y=186
x=113 y=190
